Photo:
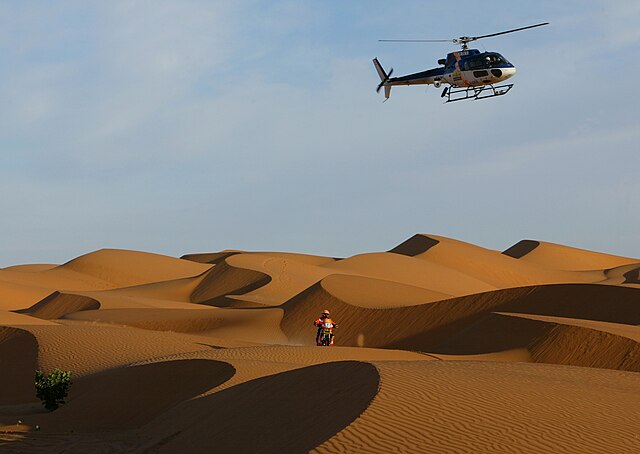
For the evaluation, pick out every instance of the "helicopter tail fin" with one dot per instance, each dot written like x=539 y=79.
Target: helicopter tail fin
x=384 y=77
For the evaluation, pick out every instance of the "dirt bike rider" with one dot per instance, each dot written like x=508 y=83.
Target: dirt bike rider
x=323 y=322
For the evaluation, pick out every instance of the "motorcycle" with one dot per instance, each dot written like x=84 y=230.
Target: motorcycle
x=326 y=334
x=325 y=338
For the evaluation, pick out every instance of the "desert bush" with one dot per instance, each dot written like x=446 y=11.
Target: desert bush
x=52 y=389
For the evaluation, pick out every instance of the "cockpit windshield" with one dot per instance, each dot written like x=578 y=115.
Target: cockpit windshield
x=485 y=61
x=496 y=60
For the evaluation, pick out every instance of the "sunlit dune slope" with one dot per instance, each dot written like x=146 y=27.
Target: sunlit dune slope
x=23 y=286
x=236 y=324
x=492 y=267
x=559 y=257
x=444 y=406
x=124 y=268
x=15 y=296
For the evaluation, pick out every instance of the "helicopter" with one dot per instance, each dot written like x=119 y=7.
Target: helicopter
x=471 y=74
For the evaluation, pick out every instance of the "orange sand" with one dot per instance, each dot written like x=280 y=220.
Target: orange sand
x=443 y=346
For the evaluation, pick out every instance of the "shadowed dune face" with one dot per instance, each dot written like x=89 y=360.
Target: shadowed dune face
x=417 y=244
x=18 y=363
x=212 y=258
x=546 y=342
x=225 y=280
x=414 y=327
x=157 y=387
x=521 y=248
x=288 y=412
x=57 y=305
x=578 y=346
x=584 y=301
x=424 y=327
x=632 y=276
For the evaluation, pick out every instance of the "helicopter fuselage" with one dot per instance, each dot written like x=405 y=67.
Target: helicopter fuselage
x=466 y=68
x=471 y=68
x=469 y=72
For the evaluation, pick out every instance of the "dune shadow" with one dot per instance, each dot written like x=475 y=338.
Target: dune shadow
x=58 y=304
x=586 y=301
x=632 y=276
x=521 y=248
x=416 y=245
x=18 y=363
x=129 y=397
x=223 y=280
x=292 y=411
x=491 y=333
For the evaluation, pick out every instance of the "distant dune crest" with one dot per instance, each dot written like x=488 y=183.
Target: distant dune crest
x=417 y=244
x=521 y=248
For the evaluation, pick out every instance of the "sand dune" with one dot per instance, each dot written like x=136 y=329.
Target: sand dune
x=243 y=325
x=57 y=305
x=15 y=296
x=559 y=257
x=22 y=286
x=448 y=406
x=442 y=346
x=224 y=281
x=158 y=387
x=18 y=361
x=409 y=271
x=254 y=411
x=554 y=340
x=495 y=268
x=420 y=327
x=126 y=268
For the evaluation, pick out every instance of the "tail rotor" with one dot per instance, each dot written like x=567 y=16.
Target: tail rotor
x=384 y=78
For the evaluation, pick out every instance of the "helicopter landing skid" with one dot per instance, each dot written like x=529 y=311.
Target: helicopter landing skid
x=485 y=91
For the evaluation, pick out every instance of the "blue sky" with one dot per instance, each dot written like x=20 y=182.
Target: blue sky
x=193 y=126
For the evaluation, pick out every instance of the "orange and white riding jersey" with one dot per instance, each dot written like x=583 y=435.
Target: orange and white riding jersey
x=327 y=325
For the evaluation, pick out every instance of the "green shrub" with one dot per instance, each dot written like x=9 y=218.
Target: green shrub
x=53 y=388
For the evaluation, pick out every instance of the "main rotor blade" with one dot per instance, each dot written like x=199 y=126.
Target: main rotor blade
x=416 y=40
x=508 y=31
